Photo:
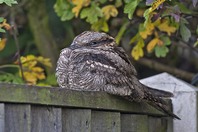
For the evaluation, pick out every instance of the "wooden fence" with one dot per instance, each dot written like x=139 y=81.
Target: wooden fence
x=45 y=109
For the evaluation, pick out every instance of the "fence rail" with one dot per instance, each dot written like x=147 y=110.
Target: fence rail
x=45 y=109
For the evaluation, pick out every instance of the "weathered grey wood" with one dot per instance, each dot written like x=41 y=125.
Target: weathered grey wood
x=157 y=124
x=17 y=118
x=105 y=121
x=2 y=117
x=70 y=98
x=134 y=123
x=46 y=119
x=76 y=120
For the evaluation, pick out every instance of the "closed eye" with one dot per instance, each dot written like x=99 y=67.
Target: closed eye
x=97 y=43
x=93 y=43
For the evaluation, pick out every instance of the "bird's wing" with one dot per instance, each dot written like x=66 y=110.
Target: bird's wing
x=61 y=69
x=109 y=70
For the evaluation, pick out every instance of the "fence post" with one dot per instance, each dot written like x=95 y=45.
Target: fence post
x=184 y=102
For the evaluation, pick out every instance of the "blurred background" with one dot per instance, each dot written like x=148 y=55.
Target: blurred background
x=159 y=36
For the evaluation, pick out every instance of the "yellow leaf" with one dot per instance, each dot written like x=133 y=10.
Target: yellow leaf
x=44 y=61
x=156 y=4
x=109 y=10
x=32 y=72
x=28 y=61
x=2 y=43
x=165 y=27
x=137 y=51
x=30 y=78
x=151 y=45
x=148 y=30
x=30 y=57
x=37 y=69
x=140 y=12
x=40 y=76
x=79 y=4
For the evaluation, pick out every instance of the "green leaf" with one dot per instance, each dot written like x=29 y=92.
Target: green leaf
x=118 y=3
x=100 y=25
x=2 y=30
x=134 y=38
x=146 y=16
x=185 y=32
x=91 y=13
x=121 y=32
x=197 y=30
x=50 y=81
x=8 y=2
x=1 y=19
x=130 y=7
x=196 y=44
x=166 y=40
x=102 y=1
x=183 y=8
x=7 y=77
x=63 y=8
x=161 y=51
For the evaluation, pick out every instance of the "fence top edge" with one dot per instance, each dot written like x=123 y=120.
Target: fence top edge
x=59 y=97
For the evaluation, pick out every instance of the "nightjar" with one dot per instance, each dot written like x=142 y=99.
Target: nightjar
x=93 y=62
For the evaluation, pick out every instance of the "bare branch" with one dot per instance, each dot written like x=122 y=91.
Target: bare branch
x=14 y=33
x=165 y=68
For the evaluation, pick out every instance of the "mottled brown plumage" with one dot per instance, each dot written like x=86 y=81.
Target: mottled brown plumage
x=93 y=62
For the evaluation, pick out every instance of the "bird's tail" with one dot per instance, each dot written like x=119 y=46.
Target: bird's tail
x=157 y=93
x=155 y=100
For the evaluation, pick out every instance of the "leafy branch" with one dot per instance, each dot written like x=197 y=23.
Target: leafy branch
x=162 y=19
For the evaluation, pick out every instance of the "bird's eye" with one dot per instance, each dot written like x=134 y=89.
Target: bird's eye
x=93 y=43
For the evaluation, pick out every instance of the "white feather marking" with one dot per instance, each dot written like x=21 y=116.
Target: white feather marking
x=92 y=65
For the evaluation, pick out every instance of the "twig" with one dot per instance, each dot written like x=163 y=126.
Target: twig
x=14 y=33
x=161 y=67
x=186 y=44
x=6 y=66
x=18 y=50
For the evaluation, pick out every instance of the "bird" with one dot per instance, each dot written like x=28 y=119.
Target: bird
x=94 y=62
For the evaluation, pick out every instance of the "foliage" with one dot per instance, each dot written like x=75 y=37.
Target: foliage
x=8 y=2
x=31 y=70
x=5 y=25
x=27 y=69
x=162 y=19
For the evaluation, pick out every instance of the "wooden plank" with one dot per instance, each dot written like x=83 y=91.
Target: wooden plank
x=46 y=119
x=157 y=124
x=17 y=118
x=2 y=117
x=134 y=123
x=70 y=98
x=76 y=120
x=105 y=121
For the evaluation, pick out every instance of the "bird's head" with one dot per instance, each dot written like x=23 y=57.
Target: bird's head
x=90 y=39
